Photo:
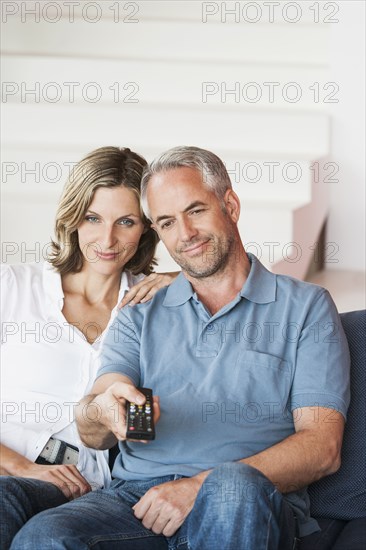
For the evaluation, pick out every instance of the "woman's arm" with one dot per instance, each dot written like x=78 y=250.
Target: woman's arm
x=12 y=463
x=66 y=477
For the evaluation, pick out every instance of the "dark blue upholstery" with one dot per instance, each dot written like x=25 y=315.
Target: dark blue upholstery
x=353 y=536
x=338 y=501
x=343 y=494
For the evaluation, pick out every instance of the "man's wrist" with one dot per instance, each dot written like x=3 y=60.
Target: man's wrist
x=88 y=410
x=200 y=478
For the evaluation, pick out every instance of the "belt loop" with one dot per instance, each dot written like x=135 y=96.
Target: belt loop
x=52 y=449
x=61 y=452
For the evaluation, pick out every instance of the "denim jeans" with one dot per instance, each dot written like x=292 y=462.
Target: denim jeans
x=20 y=500
x=237 y=508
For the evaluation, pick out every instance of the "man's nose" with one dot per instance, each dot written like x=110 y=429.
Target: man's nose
x=187 y=230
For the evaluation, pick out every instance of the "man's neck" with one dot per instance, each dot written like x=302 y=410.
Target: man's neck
x=221 y=288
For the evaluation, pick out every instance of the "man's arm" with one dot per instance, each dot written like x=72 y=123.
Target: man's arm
x=101 y=415
x=312 y=452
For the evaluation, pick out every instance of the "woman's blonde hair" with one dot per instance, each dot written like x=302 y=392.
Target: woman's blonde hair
x=104 y=167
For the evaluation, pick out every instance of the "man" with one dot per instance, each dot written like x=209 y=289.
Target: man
x=251 y=369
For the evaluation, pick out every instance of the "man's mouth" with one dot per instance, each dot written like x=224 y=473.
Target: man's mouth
x=193 y=248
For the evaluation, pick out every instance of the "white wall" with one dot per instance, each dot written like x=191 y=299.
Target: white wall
x=163 y=59
x=346 y=225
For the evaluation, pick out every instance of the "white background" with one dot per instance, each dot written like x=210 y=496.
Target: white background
x=158 y=55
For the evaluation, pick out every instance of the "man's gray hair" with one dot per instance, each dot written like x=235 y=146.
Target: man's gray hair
x=212 y=169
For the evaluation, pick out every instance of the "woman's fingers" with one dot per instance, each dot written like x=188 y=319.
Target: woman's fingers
x=65 y=476
x=147 y=288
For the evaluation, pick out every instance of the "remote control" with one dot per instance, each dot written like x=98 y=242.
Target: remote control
x=139 y=418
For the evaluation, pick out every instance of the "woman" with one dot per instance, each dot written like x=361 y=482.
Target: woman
x=54 y=317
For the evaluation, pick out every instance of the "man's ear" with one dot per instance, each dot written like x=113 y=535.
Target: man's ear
x=148 y=226
x=232 y=204
x=155 y=228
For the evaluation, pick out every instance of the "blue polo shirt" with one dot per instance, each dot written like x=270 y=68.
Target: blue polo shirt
x=228 y=382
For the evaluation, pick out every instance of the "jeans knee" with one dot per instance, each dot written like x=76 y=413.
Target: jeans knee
x=11 y=489
x=236 y=482
x=237 y=472
x=38 y=532
x=8 y=484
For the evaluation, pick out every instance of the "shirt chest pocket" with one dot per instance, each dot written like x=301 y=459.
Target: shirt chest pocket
x=260 y=378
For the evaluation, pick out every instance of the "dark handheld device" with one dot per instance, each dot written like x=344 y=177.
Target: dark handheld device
x=139 y=418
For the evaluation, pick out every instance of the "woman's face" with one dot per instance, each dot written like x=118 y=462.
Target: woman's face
x=110 y=232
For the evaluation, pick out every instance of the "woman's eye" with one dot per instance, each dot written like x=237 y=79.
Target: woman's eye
x=126 y=221
x=92 y=219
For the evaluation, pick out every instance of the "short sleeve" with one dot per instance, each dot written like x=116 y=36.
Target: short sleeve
x=323 y=363
x=120 y=351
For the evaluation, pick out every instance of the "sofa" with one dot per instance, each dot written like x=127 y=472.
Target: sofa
x=338 y=501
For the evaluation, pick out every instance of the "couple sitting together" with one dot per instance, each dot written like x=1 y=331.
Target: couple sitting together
x=251 y=387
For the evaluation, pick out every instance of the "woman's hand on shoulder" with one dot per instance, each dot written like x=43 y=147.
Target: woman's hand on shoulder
x=147 y=288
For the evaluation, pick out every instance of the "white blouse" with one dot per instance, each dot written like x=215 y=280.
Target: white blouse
x=47 y=365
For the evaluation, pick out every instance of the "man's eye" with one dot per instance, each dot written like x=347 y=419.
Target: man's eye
x=167 y=224
x=196 y=211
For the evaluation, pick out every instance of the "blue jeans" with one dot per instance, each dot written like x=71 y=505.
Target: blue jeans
x=20 y=500
x=237 y=508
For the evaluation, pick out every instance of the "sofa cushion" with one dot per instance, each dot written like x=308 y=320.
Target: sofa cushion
x=325 y=539
x=343 y=495
x=353 y=536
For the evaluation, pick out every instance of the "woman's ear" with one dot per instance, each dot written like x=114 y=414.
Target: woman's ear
x=232 y=204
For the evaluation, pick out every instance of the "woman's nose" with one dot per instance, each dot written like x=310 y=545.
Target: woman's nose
x=108 y=238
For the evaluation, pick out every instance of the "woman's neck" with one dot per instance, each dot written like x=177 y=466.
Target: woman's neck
x=93 y=287
x=88 y=301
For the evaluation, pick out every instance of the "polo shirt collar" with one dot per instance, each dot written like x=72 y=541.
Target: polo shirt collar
x=260 y=286
x=179 y=292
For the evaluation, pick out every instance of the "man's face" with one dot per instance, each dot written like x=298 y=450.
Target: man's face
x=198 y=230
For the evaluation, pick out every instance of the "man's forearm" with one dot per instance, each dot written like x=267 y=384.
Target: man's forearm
x=295 y=462
x=92 y=431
